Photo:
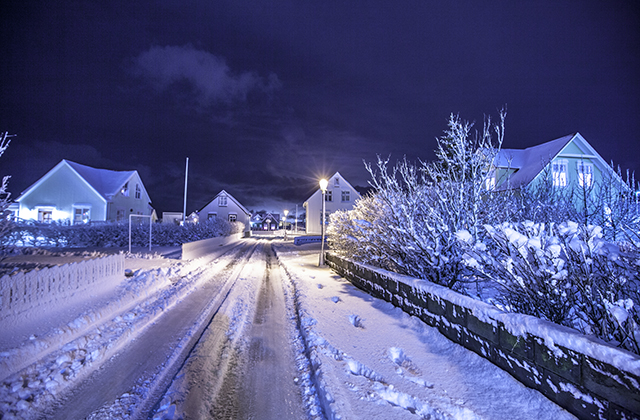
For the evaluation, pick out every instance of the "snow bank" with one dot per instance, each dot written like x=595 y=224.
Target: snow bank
x=584 y=375
x=197 y=249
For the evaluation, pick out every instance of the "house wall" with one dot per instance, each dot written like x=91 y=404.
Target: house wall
x=129 y=204
x=224 y=212
x=59 y=192
x=313 y=205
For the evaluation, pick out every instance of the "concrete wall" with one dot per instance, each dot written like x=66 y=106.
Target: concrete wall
x=585 y=376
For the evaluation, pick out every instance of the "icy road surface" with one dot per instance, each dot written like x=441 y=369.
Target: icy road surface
x=259 y=332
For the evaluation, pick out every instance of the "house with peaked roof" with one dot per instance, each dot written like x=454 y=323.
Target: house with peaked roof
x=225 y=206
x=568 y=161
x=265 y=221
x=340 y=195
x=81 y=194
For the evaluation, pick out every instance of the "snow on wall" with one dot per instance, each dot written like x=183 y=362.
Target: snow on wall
x=197 y=249
x=25 y=291
x=587 y=377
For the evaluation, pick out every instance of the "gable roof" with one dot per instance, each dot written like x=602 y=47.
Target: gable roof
x=232 y=198
x=329 y=179
x=530 y=162
x=104 y=182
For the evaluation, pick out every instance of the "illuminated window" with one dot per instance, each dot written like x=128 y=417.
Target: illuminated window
x=44 y=215
x=559 y=171
x=328 y=196
x=138 y=191
x=585 y=174
x=222 y=201
x=346 y=196
x=490 y=181
x=81 y=215
x=125 y=190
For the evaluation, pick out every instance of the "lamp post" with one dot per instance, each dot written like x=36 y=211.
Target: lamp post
x=284 y=223
x=323 y=187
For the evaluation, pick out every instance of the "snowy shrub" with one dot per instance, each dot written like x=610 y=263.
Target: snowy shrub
x=408 y=223
x=566 y=273
x=115 y=234
x=5 y=219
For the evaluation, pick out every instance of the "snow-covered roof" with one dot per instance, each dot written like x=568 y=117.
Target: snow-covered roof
x=105 y=181
x=529 y=162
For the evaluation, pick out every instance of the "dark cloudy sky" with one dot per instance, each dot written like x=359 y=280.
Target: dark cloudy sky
x=265 y=97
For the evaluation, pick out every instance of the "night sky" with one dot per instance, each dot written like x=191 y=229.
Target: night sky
x=266 y=97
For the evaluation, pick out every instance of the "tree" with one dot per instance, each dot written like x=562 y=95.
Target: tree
x=5 y=220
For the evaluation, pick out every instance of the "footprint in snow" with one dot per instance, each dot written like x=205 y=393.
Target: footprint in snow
x=320 y=286
x=335 y=299
x=356 y=321
x=399 y=357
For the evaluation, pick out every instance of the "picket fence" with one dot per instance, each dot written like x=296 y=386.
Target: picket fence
x=24 y=291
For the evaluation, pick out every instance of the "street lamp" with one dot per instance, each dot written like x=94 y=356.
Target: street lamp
x=284 y=223
x=323 y=187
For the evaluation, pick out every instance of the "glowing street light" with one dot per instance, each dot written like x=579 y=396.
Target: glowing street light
x=323 y=187
x=284 y=223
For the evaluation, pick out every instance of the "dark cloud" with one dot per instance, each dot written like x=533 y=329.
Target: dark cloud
x=209 y=76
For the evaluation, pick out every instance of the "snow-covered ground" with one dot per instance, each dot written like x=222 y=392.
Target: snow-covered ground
x=190 y=339
x=373 y=361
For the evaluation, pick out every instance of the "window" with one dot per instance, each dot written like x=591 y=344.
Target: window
x=585 y=174
x=125 y=190
x=336 y=182
x=222 y=201
x=120 y=215
x=346 y=195
x=328 y=196
x=81 y=215
x=138 y=191
x=490 y=181
x=326 y=217
x=233 y=217
x=211 y=215
x=44 y=215
x=559 y=171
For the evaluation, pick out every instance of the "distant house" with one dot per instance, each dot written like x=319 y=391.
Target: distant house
x=228 y=208
x=266 y=221
x=568 y=161
x=80 y=194
x=340 y=195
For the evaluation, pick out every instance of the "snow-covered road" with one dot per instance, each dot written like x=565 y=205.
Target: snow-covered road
x=247 y=334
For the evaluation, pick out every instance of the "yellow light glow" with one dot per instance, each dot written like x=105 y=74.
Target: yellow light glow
x=323 y=184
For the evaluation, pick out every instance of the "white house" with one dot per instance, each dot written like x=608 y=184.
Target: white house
x=568 y=161
x=80 y=194
x=225 y=206
x=340 y=195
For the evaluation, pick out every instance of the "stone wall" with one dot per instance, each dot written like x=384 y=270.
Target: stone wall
x=583 y=375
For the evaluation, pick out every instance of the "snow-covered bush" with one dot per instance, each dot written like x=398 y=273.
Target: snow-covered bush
x=566 y=273
x=5 y=220
x=116 y=234
x=408 y=223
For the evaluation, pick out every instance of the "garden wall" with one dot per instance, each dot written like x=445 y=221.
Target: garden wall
x=197 y=249
x=585 y=376
x=25 y=291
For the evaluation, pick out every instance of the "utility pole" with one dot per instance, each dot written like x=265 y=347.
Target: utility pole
x=184 y=209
